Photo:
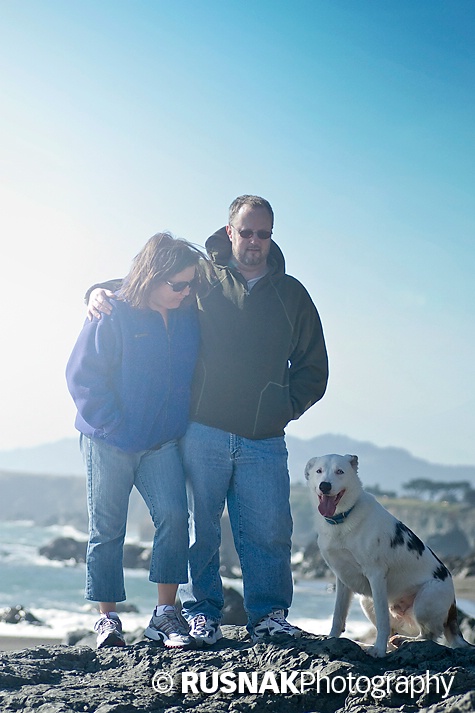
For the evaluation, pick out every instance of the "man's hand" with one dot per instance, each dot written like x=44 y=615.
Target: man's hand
x=98 y=303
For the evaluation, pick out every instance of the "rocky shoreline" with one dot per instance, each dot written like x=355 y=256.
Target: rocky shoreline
x=312 y=674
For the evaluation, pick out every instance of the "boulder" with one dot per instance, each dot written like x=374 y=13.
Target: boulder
x=67 y=548
x=18 y=613
x=310 y=564
x=449 y=543
x=233 y=610
x=64 y=549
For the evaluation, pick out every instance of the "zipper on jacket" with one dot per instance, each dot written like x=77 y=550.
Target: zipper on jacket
x=167 y=401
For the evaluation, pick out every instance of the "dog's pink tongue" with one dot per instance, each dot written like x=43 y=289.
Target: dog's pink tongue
x=327 y=505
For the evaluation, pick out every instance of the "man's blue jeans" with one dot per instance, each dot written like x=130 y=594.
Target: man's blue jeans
x=159 y=477
x=253 y=476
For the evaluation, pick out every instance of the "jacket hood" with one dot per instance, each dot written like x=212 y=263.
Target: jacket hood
x=218 y=247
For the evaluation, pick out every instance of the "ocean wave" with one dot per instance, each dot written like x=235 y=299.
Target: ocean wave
x=57 y=623
x=321 y=627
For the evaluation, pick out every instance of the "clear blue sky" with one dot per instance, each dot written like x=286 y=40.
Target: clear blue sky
x=354 y=118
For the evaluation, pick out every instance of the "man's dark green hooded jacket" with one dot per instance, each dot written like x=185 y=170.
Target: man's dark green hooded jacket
x=262 y=360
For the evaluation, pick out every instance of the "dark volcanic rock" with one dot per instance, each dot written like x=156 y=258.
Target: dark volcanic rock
x=67 y=548
x=461 y=566
x=467 y=626
x=137 y=556
x=312 y=564
x=63 y=549
x=451 y=543
x=233 y=610
x=148 y=678
x=13 y=615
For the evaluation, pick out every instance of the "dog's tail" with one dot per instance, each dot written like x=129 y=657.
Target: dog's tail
x=452 y=630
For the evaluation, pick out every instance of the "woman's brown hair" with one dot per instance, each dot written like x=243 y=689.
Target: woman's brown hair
x=162 y=257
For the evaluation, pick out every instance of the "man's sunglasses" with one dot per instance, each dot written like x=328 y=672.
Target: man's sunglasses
x=182 y=285
x=246 y=233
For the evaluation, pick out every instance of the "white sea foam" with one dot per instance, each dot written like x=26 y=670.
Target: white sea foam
x=57 y=623
x=321 y=627
x=66 y=531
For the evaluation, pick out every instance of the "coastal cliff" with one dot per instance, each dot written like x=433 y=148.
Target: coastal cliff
x=312 y=674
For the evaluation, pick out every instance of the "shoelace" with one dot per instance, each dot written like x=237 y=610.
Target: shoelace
x=170 y=622
x=107 y=624
x=199 y=624
x=283 y=623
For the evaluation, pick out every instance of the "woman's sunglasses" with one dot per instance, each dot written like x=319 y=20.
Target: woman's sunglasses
x=182 y=285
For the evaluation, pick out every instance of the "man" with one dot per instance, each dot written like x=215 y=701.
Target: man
x=262 y=363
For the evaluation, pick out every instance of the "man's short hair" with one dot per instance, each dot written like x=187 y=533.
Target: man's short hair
x=252 y=202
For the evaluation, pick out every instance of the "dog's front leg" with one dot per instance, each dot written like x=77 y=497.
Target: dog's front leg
x=342 y=604
x=379 y=592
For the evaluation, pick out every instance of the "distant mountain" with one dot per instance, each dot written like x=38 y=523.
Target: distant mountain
x=43 y=499
x=389 y=468
x=55 y=500
x=59 y=458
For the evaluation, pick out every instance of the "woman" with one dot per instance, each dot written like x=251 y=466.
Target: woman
x=130 y=375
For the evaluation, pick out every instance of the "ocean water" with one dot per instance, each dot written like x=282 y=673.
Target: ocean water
x=54 y=591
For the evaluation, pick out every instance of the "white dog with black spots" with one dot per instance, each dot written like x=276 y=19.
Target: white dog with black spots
x=406 y=591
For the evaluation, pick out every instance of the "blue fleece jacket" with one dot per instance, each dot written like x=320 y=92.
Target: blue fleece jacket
x=130 y=376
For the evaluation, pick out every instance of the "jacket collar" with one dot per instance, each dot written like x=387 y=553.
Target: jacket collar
x=218 y=247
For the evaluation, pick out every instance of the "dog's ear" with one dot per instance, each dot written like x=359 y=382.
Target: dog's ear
x=308 y=467
x=353 y=461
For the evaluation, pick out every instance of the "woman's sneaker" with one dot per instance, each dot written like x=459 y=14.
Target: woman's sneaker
x=109 y=631
x=274 y=625
x=204 y=630
x=168 y=628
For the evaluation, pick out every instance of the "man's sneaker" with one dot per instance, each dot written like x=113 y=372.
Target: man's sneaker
x=204 y=630
x=274 y=625
x=109 y=631
x=168 y=628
